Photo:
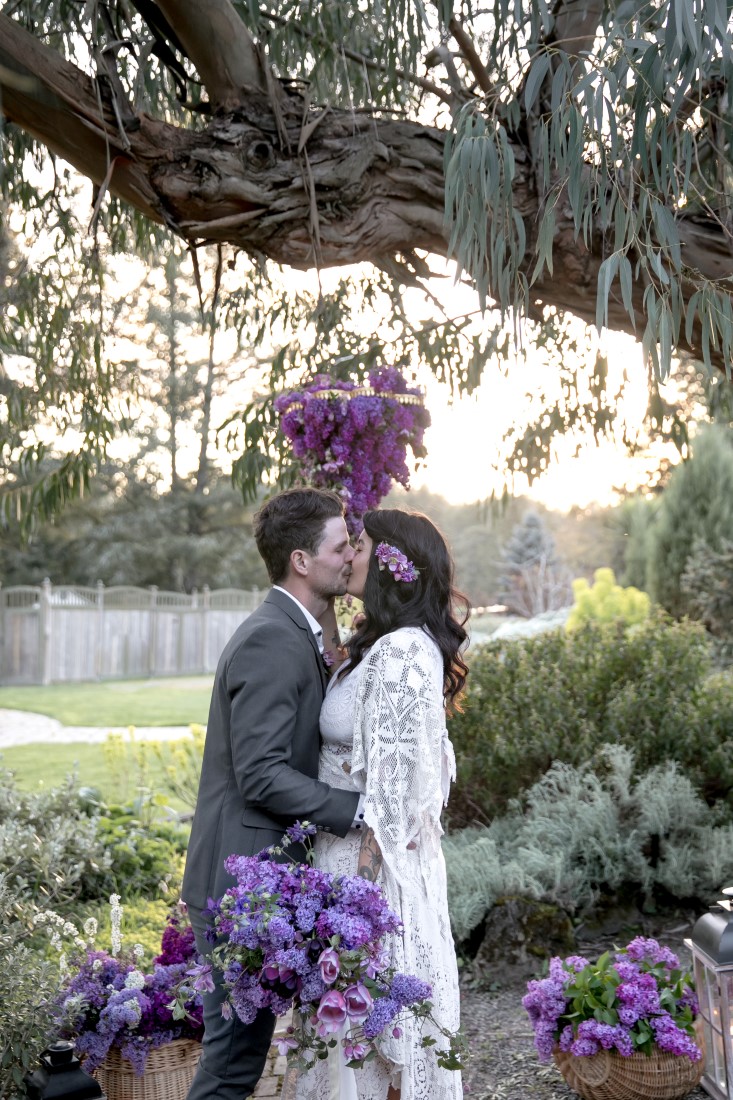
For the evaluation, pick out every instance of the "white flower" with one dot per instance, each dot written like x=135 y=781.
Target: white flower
x=116 y=922
x=90 y=927
x=138 y=950
x=96 y=965
x=135 y=980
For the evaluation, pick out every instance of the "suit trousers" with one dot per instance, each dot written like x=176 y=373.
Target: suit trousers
x=234 y=1054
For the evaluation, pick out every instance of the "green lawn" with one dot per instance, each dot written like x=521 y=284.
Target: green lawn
x=174 y=702
x=116 y=770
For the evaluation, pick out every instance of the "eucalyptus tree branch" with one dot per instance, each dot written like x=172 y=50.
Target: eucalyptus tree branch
x=471 y=56
x=221 y=48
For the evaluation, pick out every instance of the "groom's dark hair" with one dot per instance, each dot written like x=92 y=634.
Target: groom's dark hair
x=293 y=520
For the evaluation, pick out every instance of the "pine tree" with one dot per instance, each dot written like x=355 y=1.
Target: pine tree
x=533 y=580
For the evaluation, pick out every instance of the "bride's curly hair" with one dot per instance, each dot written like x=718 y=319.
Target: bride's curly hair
x=430 y=601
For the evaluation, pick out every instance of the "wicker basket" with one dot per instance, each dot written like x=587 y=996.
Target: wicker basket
x=609 y=1076
x=168 y=1073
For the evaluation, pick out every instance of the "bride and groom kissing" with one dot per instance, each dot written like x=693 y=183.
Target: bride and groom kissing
x=363 y=754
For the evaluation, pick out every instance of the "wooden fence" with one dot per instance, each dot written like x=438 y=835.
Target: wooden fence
x=56 y=634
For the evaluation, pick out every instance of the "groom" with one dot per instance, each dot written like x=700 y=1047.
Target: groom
x=260 y=764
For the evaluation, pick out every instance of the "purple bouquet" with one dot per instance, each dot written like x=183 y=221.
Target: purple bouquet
x=635 y=1000
x=109 y=1002
x=356 y=444
x=291 y=936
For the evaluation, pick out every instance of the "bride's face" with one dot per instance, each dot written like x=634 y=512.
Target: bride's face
x=360 y=565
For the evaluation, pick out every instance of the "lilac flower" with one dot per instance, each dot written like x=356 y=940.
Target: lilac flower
x=300 y=831
x=108 y=1002
x=406 y=990
x=576 y=1014
x=356 y=445
x=380 y=1017
x=290 y=936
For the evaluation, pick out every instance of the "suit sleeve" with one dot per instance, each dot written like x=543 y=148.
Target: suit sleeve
x=266 y=678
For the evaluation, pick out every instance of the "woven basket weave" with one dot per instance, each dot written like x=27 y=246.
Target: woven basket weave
x=168 y=1073
x=609 y=1076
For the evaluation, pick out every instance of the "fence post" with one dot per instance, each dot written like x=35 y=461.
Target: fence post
x=99 y=658
x=153 y=642
x=205 y=605
x=44 y=631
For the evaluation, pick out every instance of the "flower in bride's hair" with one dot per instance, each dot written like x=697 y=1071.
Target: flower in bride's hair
x=389 y=557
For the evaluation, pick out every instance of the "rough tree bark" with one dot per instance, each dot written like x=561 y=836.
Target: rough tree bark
x=275 y=176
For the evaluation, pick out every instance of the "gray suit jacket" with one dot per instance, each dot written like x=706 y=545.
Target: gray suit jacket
x=260 y=764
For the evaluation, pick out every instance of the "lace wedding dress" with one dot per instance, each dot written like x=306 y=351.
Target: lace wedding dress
x=383 y=734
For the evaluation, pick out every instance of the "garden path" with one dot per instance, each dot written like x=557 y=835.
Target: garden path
x=20 y=727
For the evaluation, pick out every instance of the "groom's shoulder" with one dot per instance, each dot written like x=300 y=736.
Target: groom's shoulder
x=271 y=622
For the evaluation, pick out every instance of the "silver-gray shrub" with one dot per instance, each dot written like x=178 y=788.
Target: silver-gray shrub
x=585 y=831
x=51 y=850
x=29 y=983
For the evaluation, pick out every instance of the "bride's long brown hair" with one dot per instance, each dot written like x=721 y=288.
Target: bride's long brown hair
x=430 y=601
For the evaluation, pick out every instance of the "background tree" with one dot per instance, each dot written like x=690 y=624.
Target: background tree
x=532 y=579
x=577 y=159
x=696 y=507
x=707 y=584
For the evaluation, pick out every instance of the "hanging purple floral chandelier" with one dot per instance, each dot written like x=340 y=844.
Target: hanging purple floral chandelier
x=354 y=438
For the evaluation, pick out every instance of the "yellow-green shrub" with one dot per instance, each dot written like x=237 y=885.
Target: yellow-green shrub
x=607 y=602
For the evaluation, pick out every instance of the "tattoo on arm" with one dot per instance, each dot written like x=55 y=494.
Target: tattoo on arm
x=370 y=857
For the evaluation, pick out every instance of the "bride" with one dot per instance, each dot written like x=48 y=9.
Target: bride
x=384 y=735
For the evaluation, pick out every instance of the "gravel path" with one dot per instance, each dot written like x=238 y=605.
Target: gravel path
x=20 y=727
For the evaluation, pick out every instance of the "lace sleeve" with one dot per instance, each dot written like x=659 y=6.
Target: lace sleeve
x=401 y=746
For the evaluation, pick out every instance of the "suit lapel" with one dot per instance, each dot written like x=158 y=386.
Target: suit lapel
x=292 y=610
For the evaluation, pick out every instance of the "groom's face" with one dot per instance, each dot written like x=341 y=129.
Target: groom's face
x=330 y=567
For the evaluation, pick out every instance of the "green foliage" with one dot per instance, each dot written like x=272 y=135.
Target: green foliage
x=592 y=833
x=146 y=856
x=707 y=583
x=560 y=696
x=585 y=120
x=181 y=761
x=606 y=601
x=28 y=985
x=61 y=846
x=50 y=846
x=696 y=506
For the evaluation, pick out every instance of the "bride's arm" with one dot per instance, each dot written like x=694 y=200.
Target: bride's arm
x=370 y=857
x=331 y=638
